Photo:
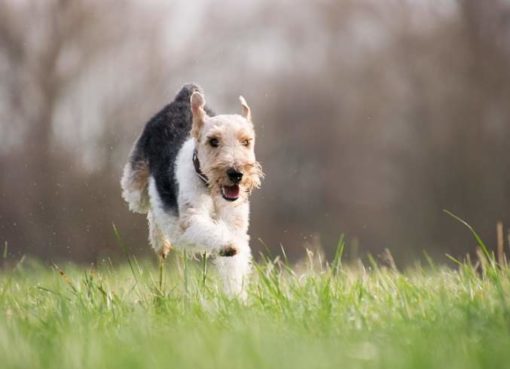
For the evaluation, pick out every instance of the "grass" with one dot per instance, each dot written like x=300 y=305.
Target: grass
x=316 y=316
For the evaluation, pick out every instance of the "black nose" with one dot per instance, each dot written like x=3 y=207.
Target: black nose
x=234 y=175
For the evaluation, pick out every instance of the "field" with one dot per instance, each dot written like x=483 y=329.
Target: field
x=317 y=315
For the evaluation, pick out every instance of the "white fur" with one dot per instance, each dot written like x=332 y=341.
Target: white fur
x=206 y=221
x=162 y=225
x=203 y=225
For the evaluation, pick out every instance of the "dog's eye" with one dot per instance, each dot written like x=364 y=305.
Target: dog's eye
x=246 y=142
x=214 y=142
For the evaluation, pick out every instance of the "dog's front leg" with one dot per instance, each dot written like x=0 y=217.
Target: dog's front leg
x=234 y=271
x=206 y=234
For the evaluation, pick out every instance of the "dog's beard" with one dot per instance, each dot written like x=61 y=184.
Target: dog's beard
x=220 y=183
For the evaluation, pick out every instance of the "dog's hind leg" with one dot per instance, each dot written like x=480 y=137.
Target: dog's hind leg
x=160 y=244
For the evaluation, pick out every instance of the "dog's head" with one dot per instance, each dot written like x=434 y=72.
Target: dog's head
x=225 y=148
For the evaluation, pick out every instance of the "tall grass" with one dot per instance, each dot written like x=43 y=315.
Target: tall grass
x=317 y=316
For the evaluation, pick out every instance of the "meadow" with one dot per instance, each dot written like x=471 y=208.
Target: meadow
x=312 y=315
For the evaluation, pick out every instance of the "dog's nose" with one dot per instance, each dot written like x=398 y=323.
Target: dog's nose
x=234 y=175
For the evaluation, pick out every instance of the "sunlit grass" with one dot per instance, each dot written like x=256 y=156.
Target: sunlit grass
x=317 y=316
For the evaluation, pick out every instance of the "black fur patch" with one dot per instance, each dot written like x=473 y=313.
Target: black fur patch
x=161 y=140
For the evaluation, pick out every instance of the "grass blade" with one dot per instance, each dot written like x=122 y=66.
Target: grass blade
x=478 y=239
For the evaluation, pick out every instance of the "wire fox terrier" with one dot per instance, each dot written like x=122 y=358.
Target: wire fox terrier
x=192 y=173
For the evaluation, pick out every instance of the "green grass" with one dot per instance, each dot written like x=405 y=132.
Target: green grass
x=328 y=316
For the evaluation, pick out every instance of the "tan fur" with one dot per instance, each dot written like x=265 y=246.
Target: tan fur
x=135 y=180
x=197 y=108
x=140 y=176
x=245 y=109
x=236 y=138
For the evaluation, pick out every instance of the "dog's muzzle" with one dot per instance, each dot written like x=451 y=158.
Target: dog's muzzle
x=234 y=175
x=231 y=192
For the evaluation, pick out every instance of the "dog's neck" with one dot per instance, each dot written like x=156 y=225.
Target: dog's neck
x=196 y=164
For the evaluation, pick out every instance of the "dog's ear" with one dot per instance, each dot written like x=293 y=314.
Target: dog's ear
x=197 y=101
x=245 y=109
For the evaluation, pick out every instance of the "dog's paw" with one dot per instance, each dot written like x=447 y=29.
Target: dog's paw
x=228 y=251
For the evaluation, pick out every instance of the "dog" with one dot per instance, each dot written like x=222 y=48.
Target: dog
x=192 y=173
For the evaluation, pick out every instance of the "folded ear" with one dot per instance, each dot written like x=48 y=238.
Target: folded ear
x=197 y=101
x=245 y=109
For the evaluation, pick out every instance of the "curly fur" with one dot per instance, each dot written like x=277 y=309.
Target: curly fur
x=160 y=179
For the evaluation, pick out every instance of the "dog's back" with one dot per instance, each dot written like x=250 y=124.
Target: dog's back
x=154 y=154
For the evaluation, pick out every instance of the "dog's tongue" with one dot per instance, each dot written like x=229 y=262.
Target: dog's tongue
x=231 y=192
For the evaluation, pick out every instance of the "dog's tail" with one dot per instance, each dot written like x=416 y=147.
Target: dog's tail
x=184 y=96
x=186 y=91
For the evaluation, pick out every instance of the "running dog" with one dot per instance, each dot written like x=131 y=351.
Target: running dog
x=192 y=173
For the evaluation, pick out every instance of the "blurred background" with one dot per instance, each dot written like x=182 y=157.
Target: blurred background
x=372 y=116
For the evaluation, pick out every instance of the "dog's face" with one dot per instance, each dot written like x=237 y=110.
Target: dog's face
x=225 y=147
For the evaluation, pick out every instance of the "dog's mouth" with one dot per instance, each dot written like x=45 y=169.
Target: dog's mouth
x=230 y=193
